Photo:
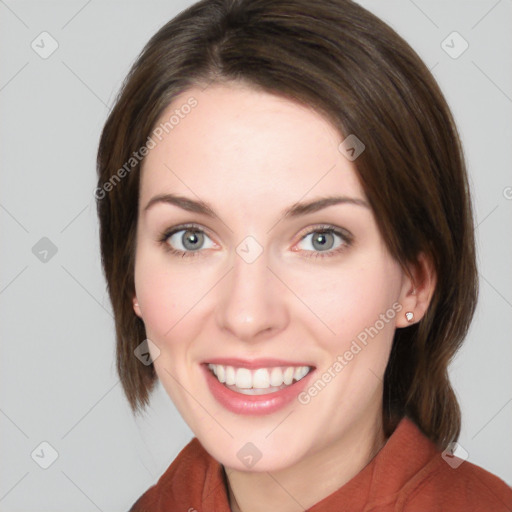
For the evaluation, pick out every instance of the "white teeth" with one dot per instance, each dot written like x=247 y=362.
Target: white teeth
x=276 y=376
x=230 y=375
x=288 y=375
x=262 y=378
x=221 y=373
x=243 y=378
x=300 y=372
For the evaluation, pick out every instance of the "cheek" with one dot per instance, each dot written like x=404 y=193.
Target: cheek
x=169 y=293
x=159 y=293
x=157 y=302
x=353 y=301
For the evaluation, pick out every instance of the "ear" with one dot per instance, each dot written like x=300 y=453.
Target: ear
x=417 y=289
x=136 y=307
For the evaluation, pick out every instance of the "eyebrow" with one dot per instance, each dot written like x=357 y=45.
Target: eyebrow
x=295 y=210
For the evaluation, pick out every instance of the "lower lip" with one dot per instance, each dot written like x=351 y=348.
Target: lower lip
x=253 y=404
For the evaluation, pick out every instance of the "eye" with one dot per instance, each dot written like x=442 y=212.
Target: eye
x=322 y=241
x=325 y=239
x=186 y=240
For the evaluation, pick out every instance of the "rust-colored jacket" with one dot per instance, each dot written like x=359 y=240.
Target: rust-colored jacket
x=408 y=474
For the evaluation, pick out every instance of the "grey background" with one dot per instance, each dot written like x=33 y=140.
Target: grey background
x=58 y=380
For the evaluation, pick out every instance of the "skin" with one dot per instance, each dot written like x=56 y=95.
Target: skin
x=250 y=155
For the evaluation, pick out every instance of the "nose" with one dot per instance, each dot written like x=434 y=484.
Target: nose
x=252 y=305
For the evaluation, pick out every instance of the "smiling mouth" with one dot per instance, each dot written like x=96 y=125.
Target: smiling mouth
x=260 y=381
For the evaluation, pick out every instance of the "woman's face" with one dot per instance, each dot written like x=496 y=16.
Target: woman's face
x=258 y=291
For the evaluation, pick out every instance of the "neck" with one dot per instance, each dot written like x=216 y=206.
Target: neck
x=311 y=479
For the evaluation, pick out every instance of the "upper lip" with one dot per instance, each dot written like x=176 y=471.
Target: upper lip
x=254 y=363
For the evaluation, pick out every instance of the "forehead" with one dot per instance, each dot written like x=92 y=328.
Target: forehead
x=231 y=141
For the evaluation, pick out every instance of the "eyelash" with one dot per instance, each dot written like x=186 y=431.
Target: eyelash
x=345 y=236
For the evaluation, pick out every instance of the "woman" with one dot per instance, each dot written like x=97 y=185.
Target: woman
x=287 y=238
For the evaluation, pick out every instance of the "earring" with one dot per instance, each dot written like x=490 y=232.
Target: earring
x=409 y=316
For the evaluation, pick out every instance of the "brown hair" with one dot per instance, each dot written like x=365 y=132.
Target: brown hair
x=351 y=67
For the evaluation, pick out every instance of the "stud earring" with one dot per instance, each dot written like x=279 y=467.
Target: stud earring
x=409 y=316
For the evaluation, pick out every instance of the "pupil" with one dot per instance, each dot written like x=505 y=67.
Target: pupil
x=191 y=239
x=322 y=239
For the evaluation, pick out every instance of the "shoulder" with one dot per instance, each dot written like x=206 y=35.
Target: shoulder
x=455 y=485
x=411 y=474
x=184 y=482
